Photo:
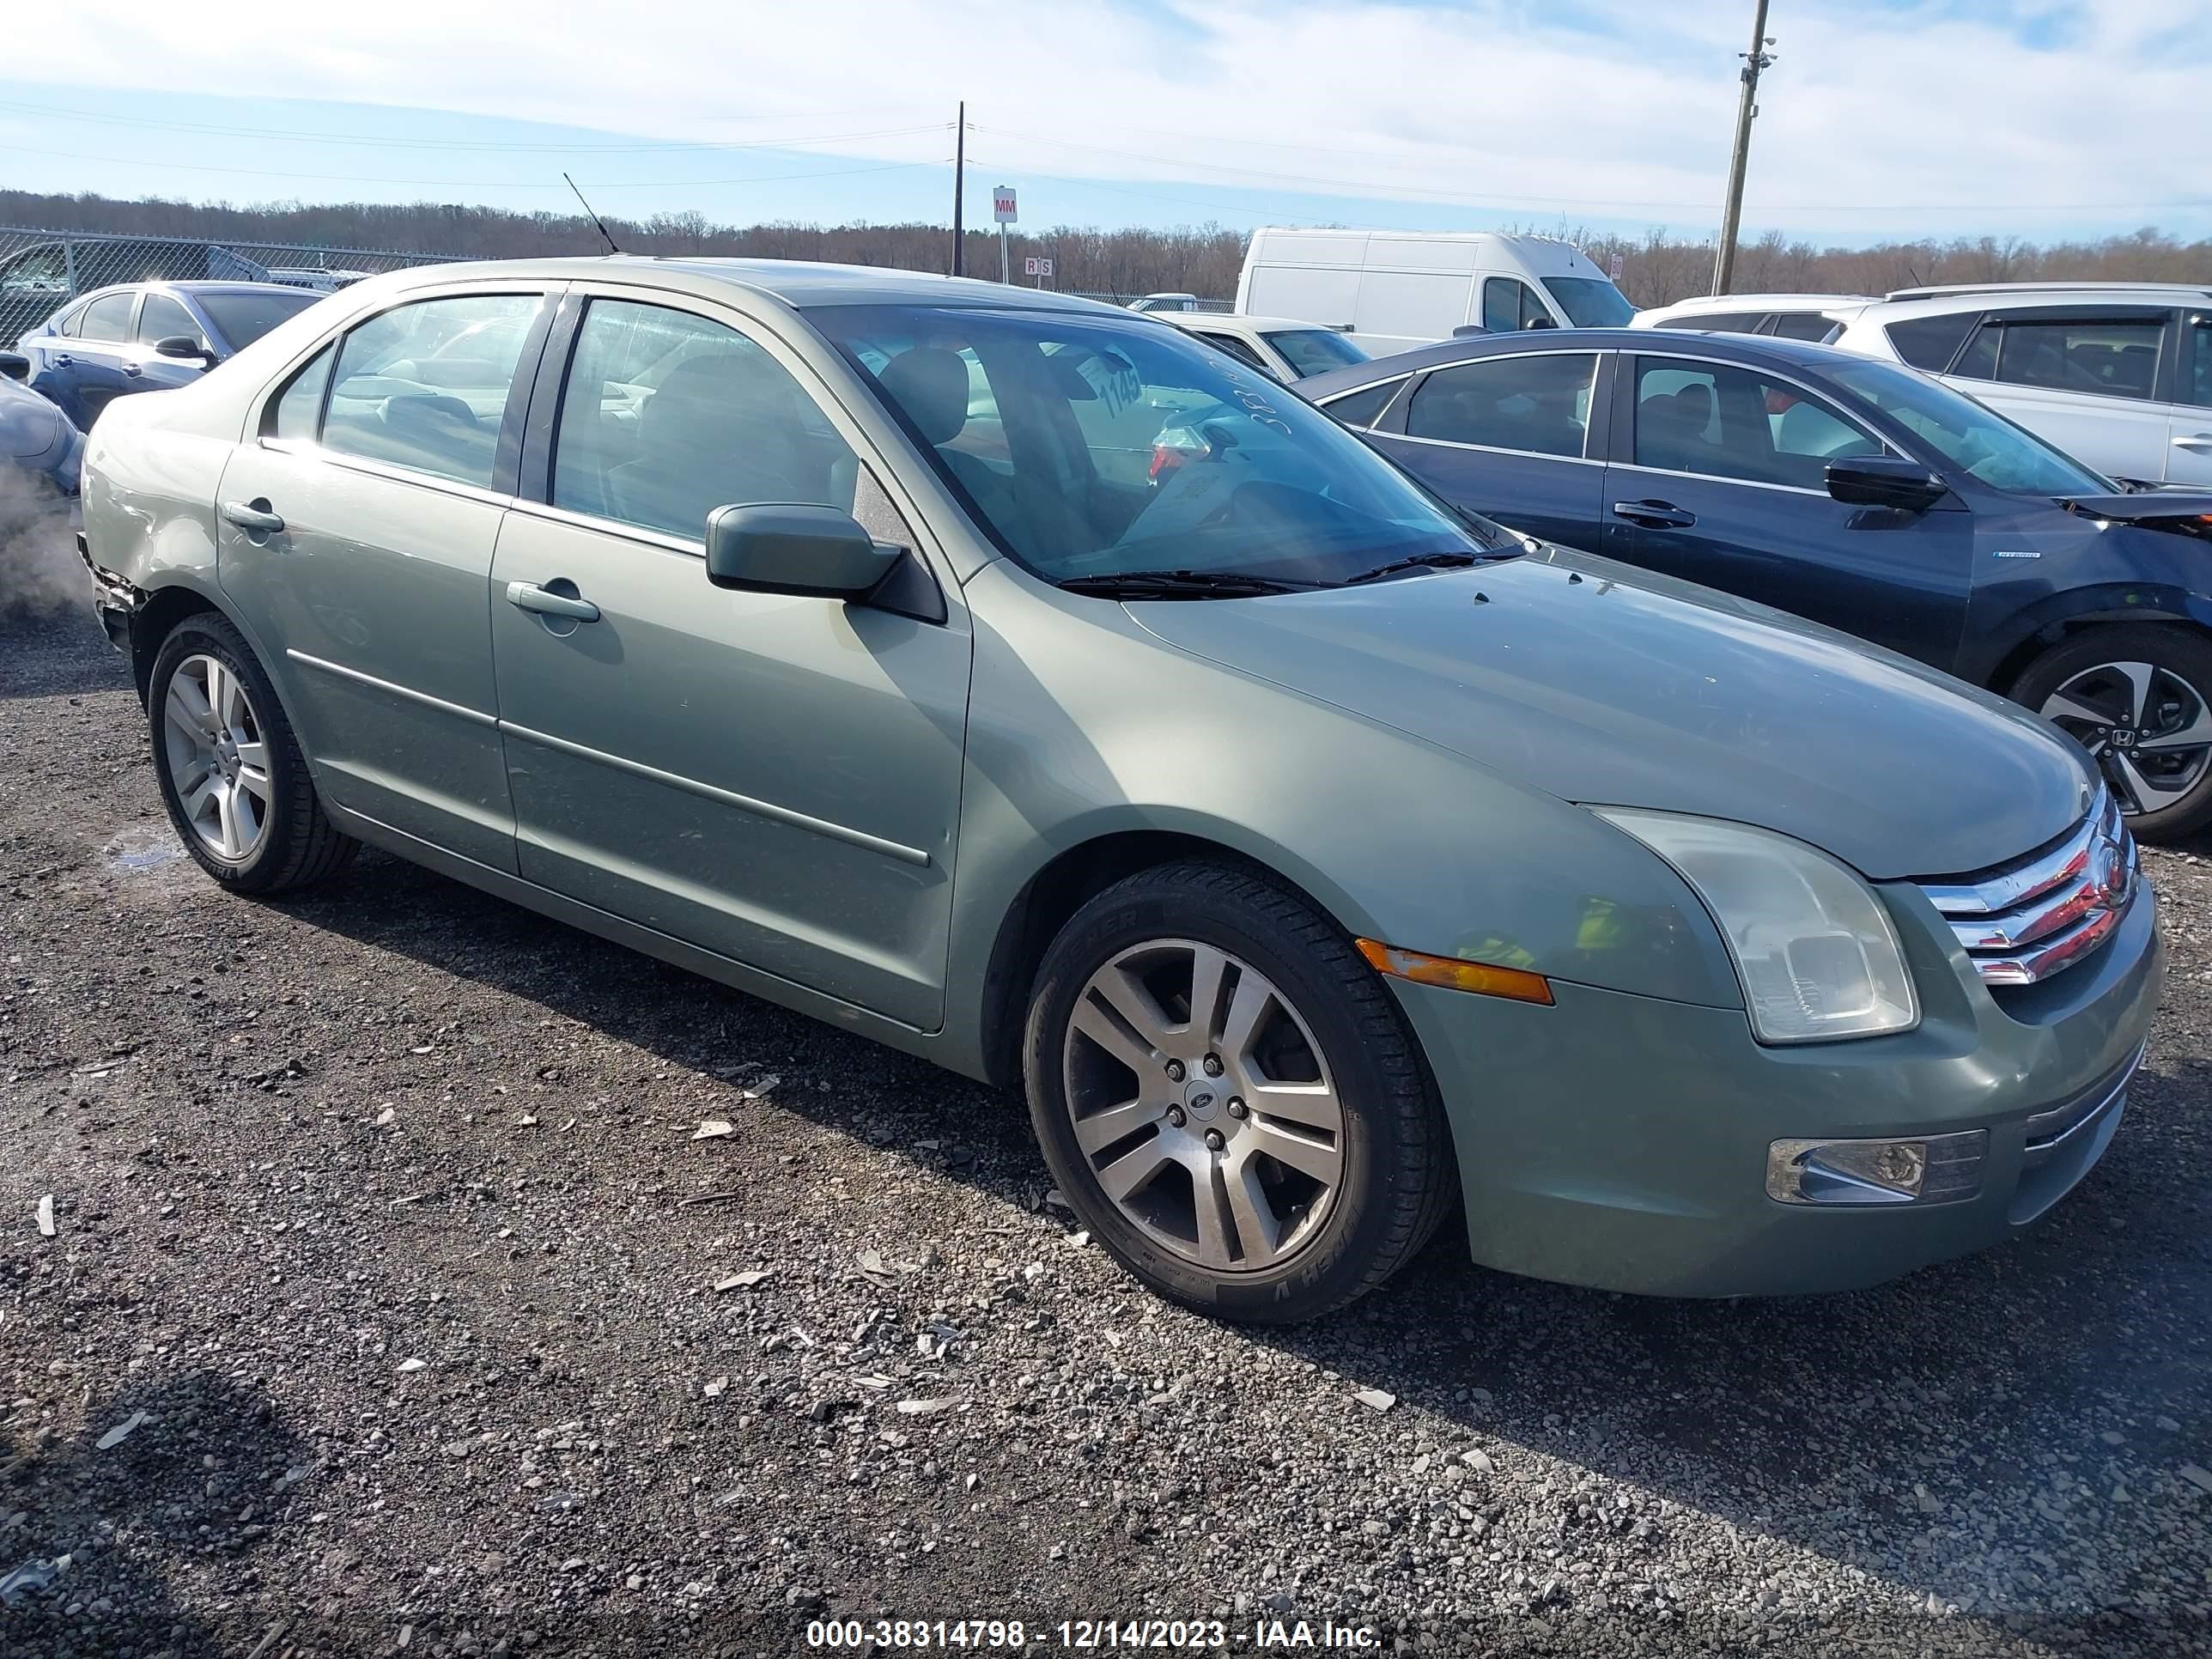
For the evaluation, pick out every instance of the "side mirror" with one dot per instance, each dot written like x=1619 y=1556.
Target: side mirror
x=183 y=346
x=1890 y=481
x=1541 y=322
x=785 y=547
x=14 y=365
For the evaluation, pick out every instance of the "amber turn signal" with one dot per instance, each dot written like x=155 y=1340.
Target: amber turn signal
x=1454 y=974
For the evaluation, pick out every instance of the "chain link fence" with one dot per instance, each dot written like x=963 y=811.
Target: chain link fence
x=41 y=270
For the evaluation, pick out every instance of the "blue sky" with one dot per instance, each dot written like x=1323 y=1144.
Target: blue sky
x=1896 y=118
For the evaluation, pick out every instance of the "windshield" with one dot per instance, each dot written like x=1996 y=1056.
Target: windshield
x=1970 y=436
x=1091 y=447
x=242 y=318
x=1590 y=301
x=1315 y=350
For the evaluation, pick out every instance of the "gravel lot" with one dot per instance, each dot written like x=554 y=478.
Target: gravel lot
x=379 y=1222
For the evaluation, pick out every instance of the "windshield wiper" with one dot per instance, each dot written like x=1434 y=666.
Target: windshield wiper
x=1431 y=560
x=1182 y=585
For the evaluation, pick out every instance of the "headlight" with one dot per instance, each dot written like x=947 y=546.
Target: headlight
x=1816 y=949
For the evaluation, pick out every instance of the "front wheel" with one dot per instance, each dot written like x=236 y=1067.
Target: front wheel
x=2138 y=696
x=1229 y=1098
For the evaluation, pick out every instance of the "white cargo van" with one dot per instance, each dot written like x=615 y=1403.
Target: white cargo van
x=1397 y=290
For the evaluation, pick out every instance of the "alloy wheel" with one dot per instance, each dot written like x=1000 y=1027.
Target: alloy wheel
x=218 y=760
x=1203 y=1105
x=2149 y=729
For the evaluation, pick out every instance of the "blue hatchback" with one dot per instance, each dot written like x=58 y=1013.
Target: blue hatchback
x=149 y=337
x=1856 y=493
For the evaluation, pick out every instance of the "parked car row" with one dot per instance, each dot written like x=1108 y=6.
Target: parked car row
x=1330 y=858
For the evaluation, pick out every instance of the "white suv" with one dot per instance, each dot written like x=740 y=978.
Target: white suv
x=1286 y=350
x=1815 y=316
x=2118 y=374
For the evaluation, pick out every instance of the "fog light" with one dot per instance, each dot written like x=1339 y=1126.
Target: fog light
x=1929 y=1169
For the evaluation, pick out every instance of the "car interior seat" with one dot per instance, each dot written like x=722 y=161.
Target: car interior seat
x=931 y=385
x=718 y=430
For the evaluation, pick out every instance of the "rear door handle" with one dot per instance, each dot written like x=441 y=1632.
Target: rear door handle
x=528 y=596
x=254 y=520
x=1653 y=515
x=132 y=369
x=2193 y=440
x=63 y=360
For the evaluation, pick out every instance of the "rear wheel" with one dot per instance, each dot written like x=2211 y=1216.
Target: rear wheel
x=231 y=773
x=1229 y=1098
x=2139 y=698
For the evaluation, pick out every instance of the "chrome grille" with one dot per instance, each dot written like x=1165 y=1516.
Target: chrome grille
x=2024 y=921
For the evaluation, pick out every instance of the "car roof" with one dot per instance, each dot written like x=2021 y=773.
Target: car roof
x=1756 y=351
x=1210 y=319
x=1762 y=301
x=2027 y=290
x=2020 y=298
x=797 y=282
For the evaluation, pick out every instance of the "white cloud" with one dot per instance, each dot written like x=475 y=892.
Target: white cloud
x=1877 y=117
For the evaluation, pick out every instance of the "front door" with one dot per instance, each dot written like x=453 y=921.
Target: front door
x=1724 y=484
x=773 y=778
x=2084 y=378
x=2189 y=417
x=161 y=317
x=357 y=535
x=1509 y=438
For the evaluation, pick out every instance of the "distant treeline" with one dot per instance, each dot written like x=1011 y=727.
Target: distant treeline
x=1202 y=259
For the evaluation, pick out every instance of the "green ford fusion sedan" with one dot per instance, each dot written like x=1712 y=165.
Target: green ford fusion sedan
x=1029 y=686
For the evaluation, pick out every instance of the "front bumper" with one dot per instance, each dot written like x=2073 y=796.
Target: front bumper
x=1621 y=1141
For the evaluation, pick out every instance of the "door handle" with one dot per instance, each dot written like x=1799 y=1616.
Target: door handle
x=132 y=369
x=2193 y=440
x=254 y=520
x=1653 y=515
x=528 y=596
x=63 y=360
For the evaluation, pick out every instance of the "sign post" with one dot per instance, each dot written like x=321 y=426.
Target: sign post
x=1002 y=210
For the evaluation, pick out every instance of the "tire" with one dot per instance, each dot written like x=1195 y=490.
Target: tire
x=2126 y=691
x=274 y=838
x=1328 y=1035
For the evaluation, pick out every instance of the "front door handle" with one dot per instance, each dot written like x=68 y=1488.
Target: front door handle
x=2193 y=440
x=528 y=596
x=255 y=520
x=1653 y=515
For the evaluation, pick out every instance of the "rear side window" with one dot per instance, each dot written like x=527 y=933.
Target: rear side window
x=161 y=318
x=1723 y=421
x=1802 y=325
x=1537 y=404
x=667 y=417
x=399 y=395
x=1364 y=406
x=2199 y=386
x=72 y=324
x=1234 y=347
x=299 y=410
x=2117 y=358
x=1930 y=343
x=1719 y=322
x=107 y=318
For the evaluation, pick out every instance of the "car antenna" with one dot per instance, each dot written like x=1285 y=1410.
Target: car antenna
x=595 y=218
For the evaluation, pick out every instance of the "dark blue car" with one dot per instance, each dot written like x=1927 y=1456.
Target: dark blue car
x=149 y=337
x=1857 y=493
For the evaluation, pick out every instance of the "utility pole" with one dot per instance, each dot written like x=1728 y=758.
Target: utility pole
x=1732 y=214
x=960 y=168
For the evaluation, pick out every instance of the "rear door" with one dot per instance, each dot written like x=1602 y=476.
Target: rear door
x=772 y=777
x=88 y=369
x=2083 y=377
x=356 y=542
x=1719 y=477
x=1508 y=437
x=2189 y=417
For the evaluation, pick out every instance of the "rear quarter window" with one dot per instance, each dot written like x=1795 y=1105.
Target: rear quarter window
x=1930 y=343
x=1364 y=406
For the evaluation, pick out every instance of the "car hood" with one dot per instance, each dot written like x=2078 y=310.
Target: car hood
x=1574 y=676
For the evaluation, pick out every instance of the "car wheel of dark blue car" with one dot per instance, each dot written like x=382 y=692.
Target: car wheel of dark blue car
x=2139 y=698
x=1229 y=1098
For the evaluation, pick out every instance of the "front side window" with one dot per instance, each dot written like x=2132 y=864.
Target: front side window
x=1968 y=435
x=242 y=318
x=108 y=318
x=1725 y=421
x=1094 y=448
x=1507 y=304
x=667 y=417
x=1315 y=350
x=1539 y=404
x=394 y=399
x=1590 y=301
x=161 y=318
x=2112 y=359
x=1364 y=406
